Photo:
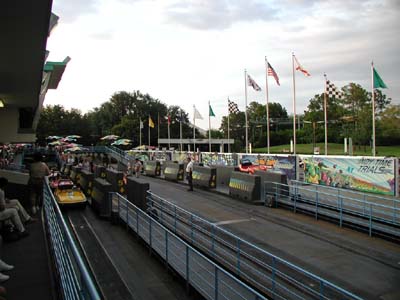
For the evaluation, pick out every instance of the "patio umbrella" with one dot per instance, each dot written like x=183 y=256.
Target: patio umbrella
x=109 y=137
x=73 y=136
x=53 y=137
x=55 y=143
x=122 y=142
x=76 y=149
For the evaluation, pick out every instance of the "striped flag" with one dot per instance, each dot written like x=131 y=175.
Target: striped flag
x=271 y=72
x=233 y=107
x=252 y=83
x=300 y=67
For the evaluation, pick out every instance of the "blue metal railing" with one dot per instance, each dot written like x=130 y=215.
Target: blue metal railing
x=372 y=212
x=209 y=279
x=263 y=270
x=75 y=280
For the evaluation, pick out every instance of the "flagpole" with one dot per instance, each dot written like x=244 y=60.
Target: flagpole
x=180 y=130
x=149 y=129
x=229 y=115
x=209 y=127
x=140 y=132
x=267 y=99
x=169 y=136
x=325 y=119
x=245 y=110
x=158 y=129
x=373 y=110
x=294 y=107
x=194 y=129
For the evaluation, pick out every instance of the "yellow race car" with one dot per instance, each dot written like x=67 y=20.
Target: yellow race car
x=69 y=195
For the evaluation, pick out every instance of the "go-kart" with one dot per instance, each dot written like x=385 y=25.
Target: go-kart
x=69 y=195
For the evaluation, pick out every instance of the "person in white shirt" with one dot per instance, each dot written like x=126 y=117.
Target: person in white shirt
x=189 y=173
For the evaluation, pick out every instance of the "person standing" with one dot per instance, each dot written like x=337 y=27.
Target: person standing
x=138 y=167
x=37 y=173
x=189 y=173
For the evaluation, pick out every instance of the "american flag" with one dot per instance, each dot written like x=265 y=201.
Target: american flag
x=252 y=83
x=332 y=91
x=233 y=107
x=271 y=72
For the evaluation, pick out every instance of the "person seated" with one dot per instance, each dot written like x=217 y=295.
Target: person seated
x=25 y=217
x=10 y=213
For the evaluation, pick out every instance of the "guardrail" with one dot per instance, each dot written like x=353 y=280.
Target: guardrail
x=209 y=279
x=375 y=213
x=74 y=278
x=268 y=273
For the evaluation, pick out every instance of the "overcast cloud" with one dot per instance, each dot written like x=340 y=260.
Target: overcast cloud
x=192 y=52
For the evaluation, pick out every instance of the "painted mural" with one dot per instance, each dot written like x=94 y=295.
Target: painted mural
x=374 y=175
x=219 y=159
x=275 y=163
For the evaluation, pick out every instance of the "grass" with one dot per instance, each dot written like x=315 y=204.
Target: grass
x=333 y=149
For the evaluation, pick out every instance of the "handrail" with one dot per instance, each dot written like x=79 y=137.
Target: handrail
x=83 y=284
x=274 y=257
x=191 y=255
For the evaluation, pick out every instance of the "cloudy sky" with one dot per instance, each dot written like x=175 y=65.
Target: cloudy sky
x=191 y=52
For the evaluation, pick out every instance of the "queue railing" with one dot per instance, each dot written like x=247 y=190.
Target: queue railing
x=200 y=272
x=75 y=281
x=266 y=272
x=372 y=212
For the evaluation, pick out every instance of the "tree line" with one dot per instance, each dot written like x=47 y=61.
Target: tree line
x=348 y=116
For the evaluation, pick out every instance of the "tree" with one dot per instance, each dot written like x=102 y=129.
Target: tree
x=388 y=126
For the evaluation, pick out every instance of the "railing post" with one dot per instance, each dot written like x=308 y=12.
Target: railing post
x=137 y=223
x=191 y=229
x=175 y=218
x=238 y=257
x=276 y=195
x=273 y=276
x=166 y=249
x=187 y=268
x=213 y=240
x=316 y=204
x=370 y=220
x=127 y=212
x=321 y=290
x=150 y=235
x=341 y=212
x=215 y=282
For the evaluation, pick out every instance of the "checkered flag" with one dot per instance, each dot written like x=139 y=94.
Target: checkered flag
x=332 y=91
x=233 y=107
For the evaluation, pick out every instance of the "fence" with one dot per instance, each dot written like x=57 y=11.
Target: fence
x=74 y=278
x=209 y=279
x=268 y=273
x=366 y=210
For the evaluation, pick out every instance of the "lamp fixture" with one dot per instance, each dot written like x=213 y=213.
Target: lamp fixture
x=1 y=103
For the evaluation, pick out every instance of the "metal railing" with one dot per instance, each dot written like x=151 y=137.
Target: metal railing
x=263 y=270
x=209 y=279
x=372 y=212
x=74 y=278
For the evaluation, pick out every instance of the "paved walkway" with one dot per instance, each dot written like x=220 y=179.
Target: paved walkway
x=368 y=267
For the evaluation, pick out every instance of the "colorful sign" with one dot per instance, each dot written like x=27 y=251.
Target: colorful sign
x=366 y=174
x=219 y=159
x=276 y=163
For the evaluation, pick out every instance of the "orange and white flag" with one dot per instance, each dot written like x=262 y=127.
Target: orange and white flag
x=300 y=68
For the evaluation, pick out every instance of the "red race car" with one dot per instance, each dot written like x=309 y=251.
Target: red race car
x=248 y=167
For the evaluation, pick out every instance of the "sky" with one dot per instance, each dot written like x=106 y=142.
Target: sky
x=191 y=52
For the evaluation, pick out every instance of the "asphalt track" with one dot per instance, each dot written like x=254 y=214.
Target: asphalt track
x=367 y=267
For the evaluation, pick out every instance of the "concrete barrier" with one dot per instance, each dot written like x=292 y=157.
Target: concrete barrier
x=116 y=178
x=224 y=175
x=100 y=200
x=136 y=191
x=100 y=172
x=173 y=171
x=152 y=168
x=75 y=174
x=86 y=182
x=268 y=188
x=204 y=177
x=245 y=187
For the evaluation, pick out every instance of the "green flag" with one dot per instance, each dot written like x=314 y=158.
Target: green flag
x=378 y=82
x=211 y=112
